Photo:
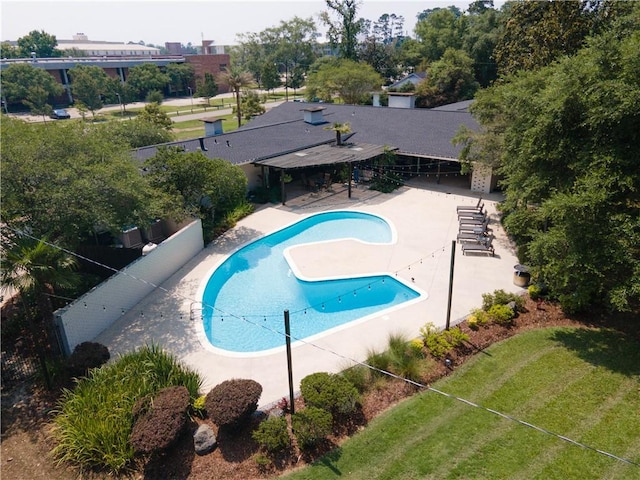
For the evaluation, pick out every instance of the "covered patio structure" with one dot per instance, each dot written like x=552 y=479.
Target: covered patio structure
x=327 y=153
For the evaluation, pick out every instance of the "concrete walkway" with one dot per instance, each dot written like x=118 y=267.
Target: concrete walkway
x=425 y=219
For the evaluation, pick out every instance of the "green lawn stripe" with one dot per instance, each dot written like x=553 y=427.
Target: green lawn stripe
x=551 y=456
x=531 y=401
x=590 y=373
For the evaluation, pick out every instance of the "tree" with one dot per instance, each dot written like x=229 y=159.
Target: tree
x=180 y=76
x=251 y=105
x=9 y=51
x=351 y=81
x=296 y=78
x=61 y=180
x=121 y=92
x=426 y=13
x=292 y=43
x=566 y=140
x=21 y=82
x=207 y=187
x=480 y=39
x=40 y=43
x=151 y=113
x=451 y=79
x=89 y=85
x=440 y=30
x=382 y=57
x=236 y=79
x=147 y=77
x=343 y=31
x=296 y=45
x=270 y=77
x=537 y=33
x=388 y=28
x=207 y=88
x=138 y=132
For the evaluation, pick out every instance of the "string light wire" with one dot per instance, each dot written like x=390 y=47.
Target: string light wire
x=357 y=362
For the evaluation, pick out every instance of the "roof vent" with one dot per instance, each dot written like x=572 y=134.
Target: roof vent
x=314 y=115
x=212 y=127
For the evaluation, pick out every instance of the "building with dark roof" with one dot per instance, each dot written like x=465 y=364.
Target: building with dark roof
x=421 y=138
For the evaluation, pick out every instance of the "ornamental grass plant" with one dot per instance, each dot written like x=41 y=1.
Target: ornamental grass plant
x=93 y=421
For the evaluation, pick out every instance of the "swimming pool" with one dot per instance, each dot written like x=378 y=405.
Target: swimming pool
x=246 y=295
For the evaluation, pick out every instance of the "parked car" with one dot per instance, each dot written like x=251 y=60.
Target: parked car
x=60 y=113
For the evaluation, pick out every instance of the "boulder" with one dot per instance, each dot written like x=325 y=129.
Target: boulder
x=204 y=440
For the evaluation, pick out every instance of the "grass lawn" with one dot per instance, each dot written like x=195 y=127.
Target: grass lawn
x=580 y=383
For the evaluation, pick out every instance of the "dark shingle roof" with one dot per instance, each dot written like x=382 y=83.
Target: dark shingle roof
x=424 y=132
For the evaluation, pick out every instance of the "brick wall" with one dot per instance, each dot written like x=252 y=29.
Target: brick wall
x=213 y=64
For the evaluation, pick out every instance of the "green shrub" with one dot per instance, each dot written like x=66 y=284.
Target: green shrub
x=310 y=426
x=272 y=435
x=359 y=376
x=163 y=424
x=416 y=347
x=500 y=297
x=94 y=420
x=229 y=219
x=198 y=406
x=262 y=461
x=534 y=291
x=502 y=314
x=154 y=96
x=231 y=403
x=333 y=393
x=439 y=343
x=477 y=318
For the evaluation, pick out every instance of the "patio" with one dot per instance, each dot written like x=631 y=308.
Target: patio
x=424 y=216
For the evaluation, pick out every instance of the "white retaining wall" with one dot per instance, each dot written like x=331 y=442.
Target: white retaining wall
x=89 y=315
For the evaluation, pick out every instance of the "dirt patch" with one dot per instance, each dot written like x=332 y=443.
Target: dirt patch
x=26 y=418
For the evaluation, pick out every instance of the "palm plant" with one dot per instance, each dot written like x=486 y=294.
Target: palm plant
x=36 y=269
x=339 y=128
x=236 y=79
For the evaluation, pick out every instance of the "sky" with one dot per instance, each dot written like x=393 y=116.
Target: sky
x=189 y=21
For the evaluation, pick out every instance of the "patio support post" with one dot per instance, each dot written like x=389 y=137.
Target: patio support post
x=284 y=196
x=350 y=175
x=287 y=331
x=453 y=258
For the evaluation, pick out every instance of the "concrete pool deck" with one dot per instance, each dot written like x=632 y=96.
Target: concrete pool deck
x=425 y=219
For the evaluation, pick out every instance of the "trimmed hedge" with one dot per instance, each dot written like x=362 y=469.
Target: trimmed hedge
x=231 y=403
x=311 y=426
x=85 y=356
x=162 y=425
x=333 y=393
x=272 y=435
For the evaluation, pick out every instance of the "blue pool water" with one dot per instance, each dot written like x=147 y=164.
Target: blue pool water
x=247 y=294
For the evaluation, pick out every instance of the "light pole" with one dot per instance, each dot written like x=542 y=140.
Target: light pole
x=121 y=105
x=286 y=80
x=191 y=95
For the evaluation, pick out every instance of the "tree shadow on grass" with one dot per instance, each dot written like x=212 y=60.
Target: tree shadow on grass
x=603 y=347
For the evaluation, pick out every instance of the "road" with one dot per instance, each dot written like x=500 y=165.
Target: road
x=177 y=102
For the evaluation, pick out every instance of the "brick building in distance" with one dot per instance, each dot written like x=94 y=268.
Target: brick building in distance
x=117 y=58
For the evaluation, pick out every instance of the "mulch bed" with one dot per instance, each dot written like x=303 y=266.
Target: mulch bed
x=235 y=457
